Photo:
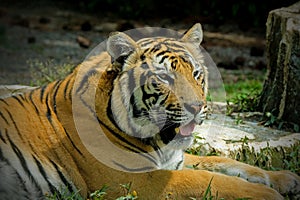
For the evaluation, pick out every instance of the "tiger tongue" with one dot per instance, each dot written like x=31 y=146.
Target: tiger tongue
x=186 y=130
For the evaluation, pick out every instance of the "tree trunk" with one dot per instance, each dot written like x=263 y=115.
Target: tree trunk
x=281 y=91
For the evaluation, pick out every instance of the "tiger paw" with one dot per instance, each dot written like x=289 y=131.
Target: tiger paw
x=285 y=182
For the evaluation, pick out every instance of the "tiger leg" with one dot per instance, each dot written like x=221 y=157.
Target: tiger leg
x=285 y=182
x=186 y=184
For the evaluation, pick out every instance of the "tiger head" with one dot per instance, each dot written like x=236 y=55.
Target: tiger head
x=160 y=93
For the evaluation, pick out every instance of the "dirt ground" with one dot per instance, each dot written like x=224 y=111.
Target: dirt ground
x=63 y=36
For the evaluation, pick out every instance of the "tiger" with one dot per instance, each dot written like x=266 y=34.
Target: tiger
x=149 y=96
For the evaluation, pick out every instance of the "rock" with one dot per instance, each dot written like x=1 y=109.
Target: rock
x=83 y=42
x=281 y=90
x=221 y=134
x=106 y=27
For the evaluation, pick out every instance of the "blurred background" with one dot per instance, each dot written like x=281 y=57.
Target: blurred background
x=41 y=41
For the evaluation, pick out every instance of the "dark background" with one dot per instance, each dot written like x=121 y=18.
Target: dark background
x=246 y=14
x=34 y=32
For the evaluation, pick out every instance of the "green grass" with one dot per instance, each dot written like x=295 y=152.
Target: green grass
x=234 y=89
x=128 y=194
x=43 y=73
x=64 y=194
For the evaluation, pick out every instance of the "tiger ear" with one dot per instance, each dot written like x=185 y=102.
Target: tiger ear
x=193 y=35
x=120 y=44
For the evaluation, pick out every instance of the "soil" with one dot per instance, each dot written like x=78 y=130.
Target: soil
x=65 y=36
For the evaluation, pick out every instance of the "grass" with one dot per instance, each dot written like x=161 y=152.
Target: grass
x=234 y=89
x=100 y=194
x=64 y=194
x=242 y=82
x=43 y=73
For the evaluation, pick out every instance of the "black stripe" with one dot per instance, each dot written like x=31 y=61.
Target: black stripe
x=145 y=96
x=110 y=115
x=48 y=112
x=147 y=42
x=174 y=107
x=163 y=59
x=53 y=190
x=22 y=184
x=142 y=169
x=178 y=164
x=32 y=102
x=42 y=91
x=73 y=143
x=14 y=123
x=22 y=97
x=66 y=89
x=168 y=134
x=2 y=116
x=131 y=147
x=176 y=46
x=85 y=81
x=3 y=100
x=2 y=156
x=163 y=52
x=23 y=162
x=136 y=112
x=1 y=136
x=183 y=59
x=63 y=178
x=164 y=99
x=56 y=88
x=155 y=48
x=122 y=139
x=122 y=59
x=19 y=101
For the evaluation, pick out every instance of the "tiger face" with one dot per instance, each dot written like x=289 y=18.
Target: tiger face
x=160 y=93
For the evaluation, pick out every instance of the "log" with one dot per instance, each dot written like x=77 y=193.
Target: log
x=281 y=91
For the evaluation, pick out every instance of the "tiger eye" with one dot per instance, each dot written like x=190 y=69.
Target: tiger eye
x=195 y=73
x=173 y=64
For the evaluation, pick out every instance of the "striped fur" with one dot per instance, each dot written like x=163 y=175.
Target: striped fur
x=149 y=96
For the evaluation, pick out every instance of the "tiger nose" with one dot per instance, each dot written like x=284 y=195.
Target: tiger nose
x=193 y=108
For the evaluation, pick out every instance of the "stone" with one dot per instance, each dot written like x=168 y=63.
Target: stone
x=221 y=134
x=106 y=27
x=83 y=41
x=241 y=137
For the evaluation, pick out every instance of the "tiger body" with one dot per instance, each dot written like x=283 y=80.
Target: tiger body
x=141 y=84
